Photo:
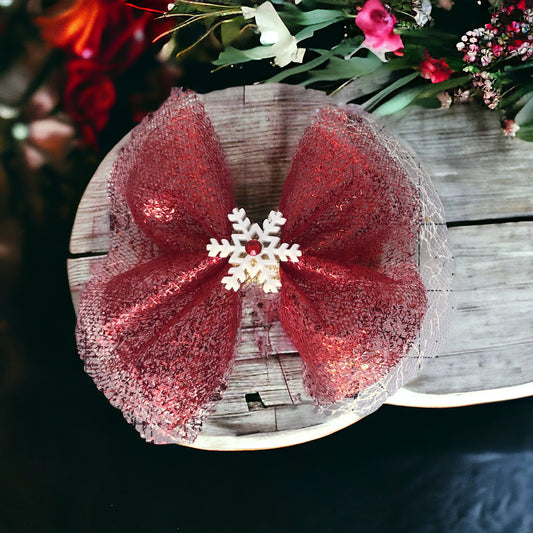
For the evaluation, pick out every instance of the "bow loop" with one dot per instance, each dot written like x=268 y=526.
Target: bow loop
x=350 y=324
x=178 y=186
x=354 y=303
x=141 y=334
x=347 y=196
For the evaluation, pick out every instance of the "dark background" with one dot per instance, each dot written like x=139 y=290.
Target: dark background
x=69 y=463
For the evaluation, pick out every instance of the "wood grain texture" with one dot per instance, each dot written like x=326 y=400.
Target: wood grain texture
x=90 y=232
x=283 y=413
x=485 y=167
x=490 y=346
x=489 y=353
x=479 y=173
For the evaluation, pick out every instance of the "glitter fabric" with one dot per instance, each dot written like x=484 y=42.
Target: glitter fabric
x=157 y=329
x=354 y=302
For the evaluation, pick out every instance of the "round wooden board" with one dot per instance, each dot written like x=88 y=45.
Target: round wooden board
x=266 y=405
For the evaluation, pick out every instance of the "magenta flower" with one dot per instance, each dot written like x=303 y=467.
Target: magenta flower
x=377 y=23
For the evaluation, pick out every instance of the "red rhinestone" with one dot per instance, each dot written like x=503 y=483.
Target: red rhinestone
x=253 y=247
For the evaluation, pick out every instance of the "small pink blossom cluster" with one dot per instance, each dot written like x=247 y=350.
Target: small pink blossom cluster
x=485 y=82
x=509 y=34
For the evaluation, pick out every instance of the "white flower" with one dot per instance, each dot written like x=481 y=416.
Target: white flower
x=423 y=13
x=275 y=33
x=255 y=252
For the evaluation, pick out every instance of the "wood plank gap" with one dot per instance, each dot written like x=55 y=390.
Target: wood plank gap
x=486 y=221
x=83 y=255
x=285 y=377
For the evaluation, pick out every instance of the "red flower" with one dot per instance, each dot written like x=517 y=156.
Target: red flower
x=436 y=70
x=377 y=23
x=89 y=96
x=106 y=31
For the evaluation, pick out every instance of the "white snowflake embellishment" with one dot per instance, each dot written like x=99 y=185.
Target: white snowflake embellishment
x=256 y=251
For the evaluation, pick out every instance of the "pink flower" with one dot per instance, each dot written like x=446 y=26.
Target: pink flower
x=377 y=23
x=510 y=127
x=436 y=70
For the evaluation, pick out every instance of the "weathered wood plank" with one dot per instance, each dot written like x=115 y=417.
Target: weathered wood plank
x=80 y=271
x=473 y=166
x=493 y=270
x=275 y=379
x=92 y=217
x=261 y=438
x=484 y=167
x=490 y=345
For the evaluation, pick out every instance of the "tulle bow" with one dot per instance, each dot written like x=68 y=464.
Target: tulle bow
x=158 y=329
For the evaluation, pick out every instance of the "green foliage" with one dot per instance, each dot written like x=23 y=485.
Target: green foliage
x=300 y=69
x=231 y=31
x=524 y=117
x=381 y=87
x=371 y=103
x=435 y=88
x=525 y=133
x=398 y=102
x=293 y=17
x=234 y=56
x=344 y=69
x=427 y=103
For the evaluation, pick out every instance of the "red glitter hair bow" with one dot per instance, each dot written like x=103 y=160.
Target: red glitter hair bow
x=158 y=326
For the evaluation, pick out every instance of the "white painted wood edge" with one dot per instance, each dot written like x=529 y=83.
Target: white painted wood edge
x=407 y=398
x=279 y=439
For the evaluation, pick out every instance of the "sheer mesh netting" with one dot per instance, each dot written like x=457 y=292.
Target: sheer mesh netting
x=388 y=304
x=368 y=299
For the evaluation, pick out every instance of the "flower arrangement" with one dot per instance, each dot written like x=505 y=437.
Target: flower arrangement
x=386 y=57
x=390 y=55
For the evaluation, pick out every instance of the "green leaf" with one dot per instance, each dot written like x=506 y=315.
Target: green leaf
x=339 y=4
x=190 y=6
x=292 y=16
x=398 y=102
x=346 y=46
x=343 y=69
x=525 y=96
x=232 y=56
x=526 y=134
x=451 y=83
x=231 y=30
x=455 y=63
x=368 y=84
x=309 y=31
x=513 y=68
x=428 y=103
x=300 y=69
x=525 y=115
x=437 y=42
x=517 y=97
x=372 y=102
